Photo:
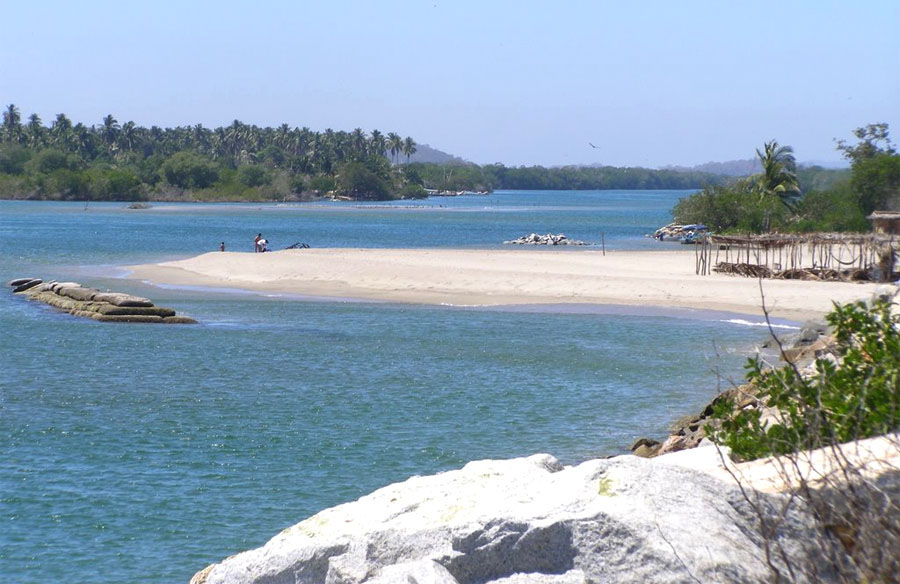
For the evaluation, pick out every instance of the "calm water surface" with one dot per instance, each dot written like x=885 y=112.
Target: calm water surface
x=142 y=453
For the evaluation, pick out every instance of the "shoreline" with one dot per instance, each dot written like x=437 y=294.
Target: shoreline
x=501 y=278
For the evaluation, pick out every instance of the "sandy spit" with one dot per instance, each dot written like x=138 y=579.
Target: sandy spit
x=503 y=277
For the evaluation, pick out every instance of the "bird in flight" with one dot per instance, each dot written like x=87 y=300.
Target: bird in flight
x=592 y=146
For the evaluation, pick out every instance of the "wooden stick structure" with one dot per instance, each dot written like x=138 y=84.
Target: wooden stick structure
x=806 y=256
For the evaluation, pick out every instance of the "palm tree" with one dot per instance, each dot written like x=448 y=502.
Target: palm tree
x=201 y=139
x=377 y=143
x=12 y=124
x=85 y=141
x=35 y=131
x=395 y=144
x=109 y=132
x=61 y=131
x=409 y=148
x=358 y=141
x=128 y=137
x=779 y=175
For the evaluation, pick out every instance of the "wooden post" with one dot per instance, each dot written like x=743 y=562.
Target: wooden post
x=603 y=242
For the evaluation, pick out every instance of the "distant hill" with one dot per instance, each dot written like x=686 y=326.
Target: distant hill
x=425 y=153
x=730 y=168
x=746 y=167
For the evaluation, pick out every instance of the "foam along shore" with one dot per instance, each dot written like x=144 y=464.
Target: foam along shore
x=504 y=277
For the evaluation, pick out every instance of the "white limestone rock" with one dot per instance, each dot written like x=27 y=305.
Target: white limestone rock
x=530 y=521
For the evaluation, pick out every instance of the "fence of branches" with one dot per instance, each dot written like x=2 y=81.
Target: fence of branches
x=811 y=256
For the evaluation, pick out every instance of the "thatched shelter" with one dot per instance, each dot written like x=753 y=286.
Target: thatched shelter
x=886 y=222
x=813 y=256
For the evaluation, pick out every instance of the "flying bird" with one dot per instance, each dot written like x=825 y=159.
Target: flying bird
x=592 y=146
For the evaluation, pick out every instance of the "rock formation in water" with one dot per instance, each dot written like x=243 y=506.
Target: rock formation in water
x=531 y=520
x=548 y=239
x=91 y=303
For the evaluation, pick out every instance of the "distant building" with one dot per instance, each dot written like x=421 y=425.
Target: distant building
x=887 y=222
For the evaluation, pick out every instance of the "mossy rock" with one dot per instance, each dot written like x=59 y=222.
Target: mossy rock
x=126 y=318
x=120 y=299
x=179 y=320
x=58 y=285
x=80 y=293
x=113 y=310
x=102 y=306
x=58 y=301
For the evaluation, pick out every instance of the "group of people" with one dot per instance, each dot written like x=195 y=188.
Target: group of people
x=259 y=244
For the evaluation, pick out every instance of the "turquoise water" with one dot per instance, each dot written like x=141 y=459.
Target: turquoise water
x=142 y=453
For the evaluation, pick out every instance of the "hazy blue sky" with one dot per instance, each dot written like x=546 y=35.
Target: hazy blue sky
x=518 y=82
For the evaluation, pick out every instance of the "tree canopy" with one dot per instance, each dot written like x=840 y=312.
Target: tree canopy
x=776 y=200
x=239 y=161
x=67 y=160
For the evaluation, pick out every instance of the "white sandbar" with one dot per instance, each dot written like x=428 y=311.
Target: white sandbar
x=503 y=277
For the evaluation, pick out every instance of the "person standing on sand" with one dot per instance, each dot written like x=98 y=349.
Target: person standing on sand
x=222 y=246
x=256 y=242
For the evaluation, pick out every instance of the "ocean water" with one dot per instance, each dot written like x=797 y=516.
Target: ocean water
x=136 y=453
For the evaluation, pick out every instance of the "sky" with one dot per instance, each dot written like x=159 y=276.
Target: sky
x=649 y=83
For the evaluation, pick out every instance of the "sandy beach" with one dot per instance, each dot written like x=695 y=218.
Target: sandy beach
x=502 y=277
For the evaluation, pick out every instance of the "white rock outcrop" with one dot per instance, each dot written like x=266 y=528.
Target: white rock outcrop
x=531 y=520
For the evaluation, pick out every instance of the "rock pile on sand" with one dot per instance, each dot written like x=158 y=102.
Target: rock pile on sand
x=91 y=303
x=548 y=239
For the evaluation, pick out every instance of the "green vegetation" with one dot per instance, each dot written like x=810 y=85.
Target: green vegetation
x=851 y=493
x=471 y=177
x=110 y=161
x=855 y=396
x=783 y=198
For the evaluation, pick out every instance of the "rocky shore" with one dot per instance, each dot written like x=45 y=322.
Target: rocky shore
x=681 y=517
x=85 y=302
x=814 y=340
x=534 y=521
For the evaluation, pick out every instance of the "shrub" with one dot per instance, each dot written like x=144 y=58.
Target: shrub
x=187 y=170
x=834 y=210
x=13 y=158
x=322 y=183
x=855 y=396
x=253 y=175
x=412 y=191
x=360 y=182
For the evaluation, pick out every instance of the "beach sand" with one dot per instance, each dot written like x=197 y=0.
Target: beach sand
x=503 y=277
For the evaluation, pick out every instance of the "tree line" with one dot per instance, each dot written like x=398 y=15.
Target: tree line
x=241 y=161
x=471 y=177
x=114 y=161
x=777 y=199
x=244 y=162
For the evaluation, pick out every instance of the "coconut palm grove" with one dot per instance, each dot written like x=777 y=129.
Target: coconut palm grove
x=110 y=160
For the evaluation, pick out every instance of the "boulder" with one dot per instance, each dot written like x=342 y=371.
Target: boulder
x=79 y=293
x=57 y=285
x=125 y=317
x=19 y=281
x=90 y=303
x=113 y=310
x=532 y=521
x=645 y=447
x=120 y=299
x=548 y=239
x=27 y=284
x=179 y=320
